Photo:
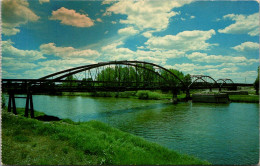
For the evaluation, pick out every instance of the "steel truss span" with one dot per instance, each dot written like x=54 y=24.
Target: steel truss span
x=115 y=76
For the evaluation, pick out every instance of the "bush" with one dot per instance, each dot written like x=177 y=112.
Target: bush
x=148 y=95
x=3 y=101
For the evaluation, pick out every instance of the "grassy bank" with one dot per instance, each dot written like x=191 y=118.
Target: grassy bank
x=244 y=98
x=29 y=141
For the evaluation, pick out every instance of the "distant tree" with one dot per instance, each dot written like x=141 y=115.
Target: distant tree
x=70 y=78
x=171 y=78
x=256 y=83
x=187 y=79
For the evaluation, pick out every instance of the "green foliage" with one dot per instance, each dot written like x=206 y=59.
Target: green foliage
x=3 y=101
x=70 y=78
x=145 y=95
x=31 y=142
x=244 y=98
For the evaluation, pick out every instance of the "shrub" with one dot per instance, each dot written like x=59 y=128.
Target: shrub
x=148 y=95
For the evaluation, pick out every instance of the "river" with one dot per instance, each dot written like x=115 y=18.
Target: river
x=218 y=133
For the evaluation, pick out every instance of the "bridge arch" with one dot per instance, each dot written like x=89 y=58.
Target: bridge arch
x=139 y=64
x=223 y=81
x=203 y=78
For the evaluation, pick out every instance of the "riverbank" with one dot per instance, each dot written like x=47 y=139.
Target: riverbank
x=157 y=95
x=64 y=142
x=244 y=98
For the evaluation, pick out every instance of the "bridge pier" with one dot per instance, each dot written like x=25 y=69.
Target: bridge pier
x=188 y=94
x=29 y=102
x=11 y=103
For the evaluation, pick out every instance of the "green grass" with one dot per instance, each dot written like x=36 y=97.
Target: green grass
x=244 y=98
x=28 y=141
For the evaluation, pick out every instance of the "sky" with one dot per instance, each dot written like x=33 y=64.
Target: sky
x=215 y=38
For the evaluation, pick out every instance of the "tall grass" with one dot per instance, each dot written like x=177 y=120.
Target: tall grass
x=32 y=142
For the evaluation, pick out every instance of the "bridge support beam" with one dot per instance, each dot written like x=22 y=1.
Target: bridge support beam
x=11 y=103
x=29 y=102
x=188 y=94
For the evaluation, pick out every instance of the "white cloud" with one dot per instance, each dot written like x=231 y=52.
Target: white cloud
x=186 y=41
x=68 y=52
x=146 y=14
x=203 y=57
x=192 y=17
x=247 y=46
x=14 y=14
x=71 y=17
x=224 y=70
x=106 y=2
x=243 y=24
x=52 y=66
x=113 y=22
x=128 y=31
x=99 y=20
x=8 y=50
x=43 y=1
x=147 y=34
x=115 y=51
x=14 y=64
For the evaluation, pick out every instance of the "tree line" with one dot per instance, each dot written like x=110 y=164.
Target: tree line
x=142 y=75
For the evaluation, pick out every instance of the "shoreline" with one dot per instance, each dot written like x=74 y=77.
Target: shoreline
x=79 y=143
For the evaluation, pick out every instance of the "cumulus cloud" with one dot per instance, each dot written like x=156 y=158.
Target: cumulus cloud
x=99 y=20
x=8 y=50
x=68 y=52
x=116 y=51
x=71 y=17
x=247 y=46
x=243 y=24
x=223 y=70
x=128 y=31
x=146 y=14
x=106 y=2
x=14 y=64
x=14 y=59
x=14 y=14
x=43 y=1
x=203 y=57
x=186 y=41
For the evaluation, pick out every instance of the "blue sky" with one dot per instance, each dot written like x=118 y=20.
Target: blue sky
x=216 y=38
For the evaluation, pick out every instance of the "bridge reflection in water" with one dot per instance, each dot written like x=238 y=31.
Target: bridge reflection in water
x=114 y=76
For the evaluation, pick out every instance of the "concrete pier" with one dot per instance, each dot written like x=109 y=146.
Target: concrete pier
x=210 y=98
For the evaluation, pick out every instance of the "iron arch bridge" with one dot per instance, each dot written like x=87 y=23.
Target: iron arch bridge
x=104 y=76
x=109 y=76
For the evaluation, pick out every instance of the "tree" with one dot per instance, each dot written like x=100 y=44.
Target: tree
x=256 y=83
x=70 y=78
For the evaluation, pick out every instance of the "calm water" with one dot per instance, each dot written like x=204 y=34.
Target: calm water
x=218 y=133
